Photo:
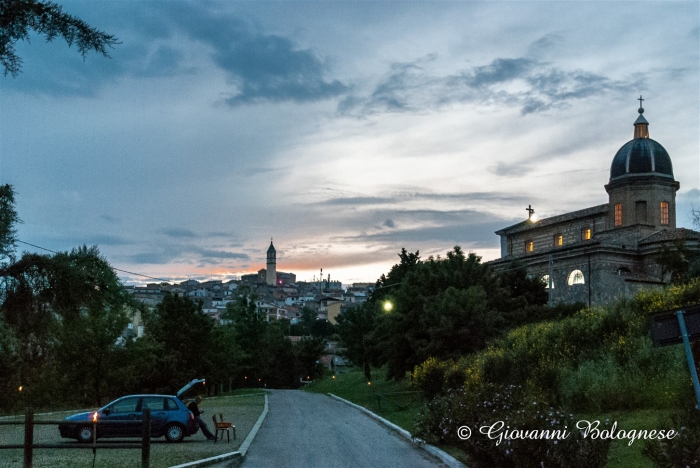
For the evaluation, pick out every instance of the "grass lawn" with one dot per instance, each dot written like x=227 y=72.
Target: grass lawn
x=401 y=409
x=621 y=455
x=353 y=387
x=240 y=407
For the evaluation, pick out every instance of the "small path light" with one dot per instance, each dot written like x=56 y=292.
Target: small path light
x=388 y=306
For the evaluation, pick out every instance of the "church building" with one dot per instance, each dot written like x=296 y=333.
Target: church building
x=270 y=276
x=603 y=253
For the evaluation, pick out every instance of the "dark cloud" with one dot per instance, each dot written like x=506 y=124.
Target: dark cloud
x=499 y=71
x=402 y=197
x=510 y=169
x=541 y=86
x=261 y=67
x=545 y=42
x=220 y=254
x=474 y=234
x=389 y=223
x=219 y=234
x=55 y=69
x=155 y=258
x=185 y=253
x=253 y=171
x=178 y=232
x=358 y=201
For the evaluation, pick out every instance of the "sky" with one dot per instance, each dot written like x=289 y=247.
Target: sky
x=344 y=131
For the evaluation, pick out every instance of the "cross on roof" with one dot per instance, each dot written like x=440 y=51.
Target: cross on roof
x=640 y=101
x=530 y=211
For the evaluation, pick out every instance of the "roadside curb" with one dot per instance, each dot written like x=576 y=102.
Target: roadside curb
x=445 y=457
x=232 y=459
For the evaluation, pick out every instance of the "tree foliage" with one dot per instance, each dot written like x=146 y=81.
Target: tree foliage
x=442 y=307
x=66 y=310
x=678 y=262
x=8 y=221
x=184 y=333
x=20 y=17
x=356 y=327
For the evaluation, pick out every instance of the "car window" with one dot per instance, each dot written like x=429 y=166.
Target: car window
x=171 y=404
x=127 y=405
x=153 y=403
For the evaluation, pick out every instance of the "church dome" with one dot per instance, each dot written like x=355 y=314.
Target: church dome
x=641 y=156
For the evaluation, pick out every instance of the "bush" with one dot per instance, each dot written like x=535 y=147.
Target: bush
x=683 y=450
x=429 y=377
x=512 y=409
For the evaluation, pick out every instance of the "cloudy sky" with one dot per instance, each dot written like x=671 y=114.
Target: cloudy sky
x=343 y=130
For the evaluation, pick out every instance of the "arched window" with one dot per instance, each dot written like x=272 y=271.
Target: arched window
x=545 y=280
x=576 y=277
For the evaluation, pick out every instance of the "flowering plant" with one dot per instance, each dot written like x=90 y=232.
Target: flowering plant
x=510 y=429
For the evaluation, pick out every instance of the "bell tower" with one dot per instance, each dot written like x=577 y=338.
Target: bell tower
x=271 y=272
x=642 y=190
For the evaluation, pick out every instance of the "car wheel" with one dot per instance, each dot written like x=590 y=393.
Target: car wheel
x=85 y=434
x=174 y=433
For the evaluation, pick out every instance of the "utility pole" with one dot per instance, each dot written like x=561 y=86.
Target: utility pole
x=551 y=280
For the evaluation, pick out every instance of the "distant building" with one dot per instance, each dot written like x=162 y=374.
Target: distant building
x=600 y=254
x=271 y=274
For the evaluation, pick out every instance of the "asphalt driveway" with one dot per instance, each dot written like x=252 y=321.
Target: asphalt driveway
x=308 y=430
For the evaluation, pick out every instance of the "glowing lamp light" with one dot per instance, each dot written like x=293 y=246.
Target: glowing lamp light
x=369 y=383
x=20 y=389
x=334 y=376
x=388 y=306
x=94 y=417
x=246 y=377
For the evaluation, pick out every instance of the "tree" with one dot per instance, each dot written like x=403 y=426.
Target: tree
x=19 y=17
x=67 y=310
x=307 y=353
x=678 y=261
x=445 y=307
x=185 y=334
x=8 y=221
x=356 y=327
x=250 y=325
x=94 y=310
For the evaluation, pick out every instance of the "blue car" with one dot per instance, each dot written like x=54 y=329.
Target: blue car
x=169 y=418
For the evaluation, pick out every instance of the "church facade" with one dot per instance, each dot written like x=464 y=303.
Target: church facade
x=603 y=253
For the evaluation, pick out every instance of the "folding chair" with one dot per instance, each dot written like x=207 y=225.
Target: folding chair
x=223 y=426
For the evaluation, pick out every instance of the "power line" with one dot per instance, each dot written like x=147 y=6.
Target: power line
x=113 y=268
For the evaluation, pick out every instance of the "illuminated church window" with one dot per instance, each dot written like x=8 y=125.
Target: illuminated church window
x=664 y=213
x=576 y=277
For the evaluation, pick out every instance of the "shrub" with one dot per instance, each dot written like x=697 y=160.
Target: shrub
x=683 y=450
x=434 y=376
x=514 y=410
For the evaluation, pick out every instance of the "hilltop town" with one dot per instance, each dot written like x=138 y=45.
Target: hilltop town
x=278 y=294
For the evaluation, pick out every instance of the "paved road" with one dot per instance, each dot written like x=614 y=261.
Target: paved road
x=311 y=430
